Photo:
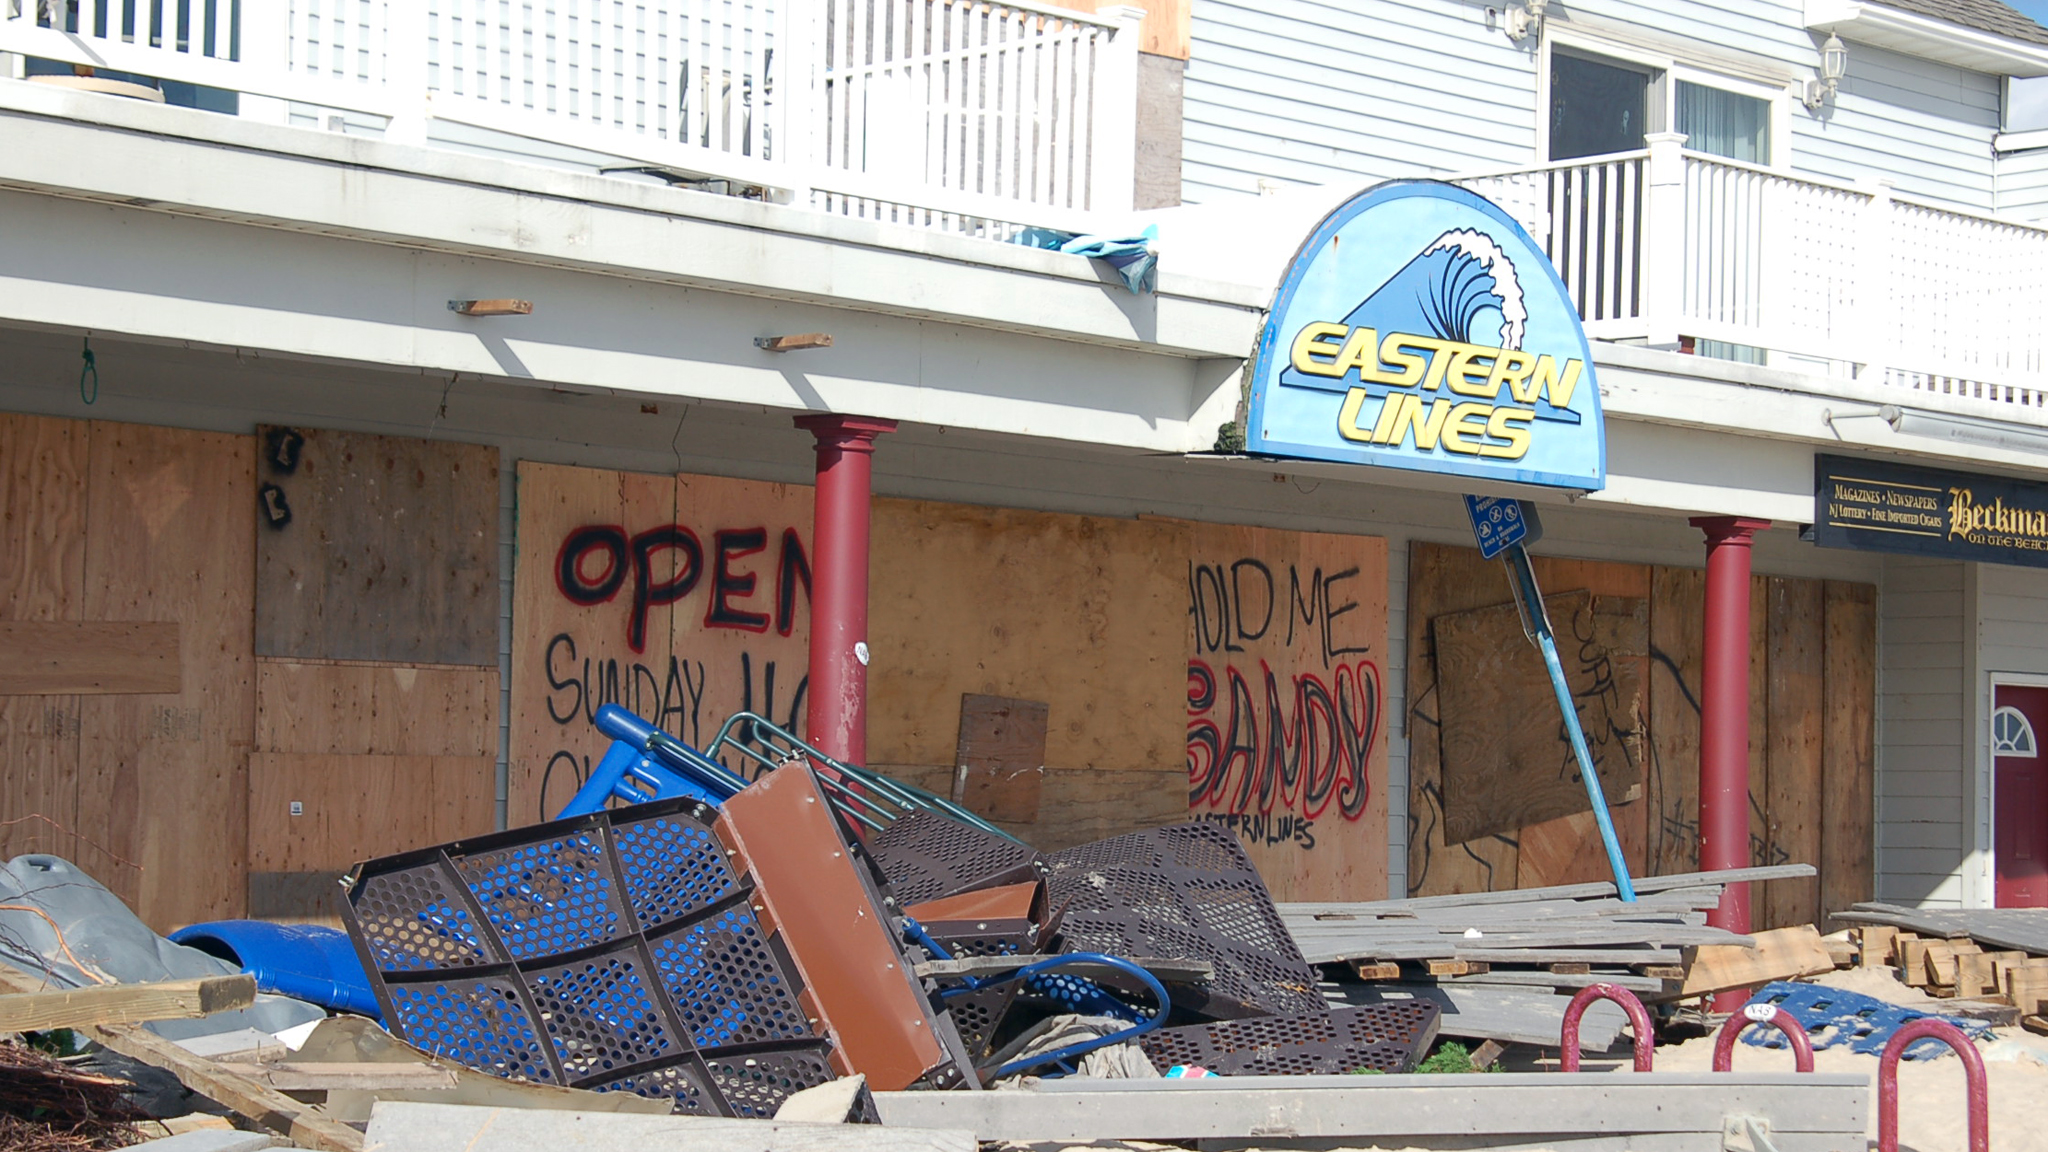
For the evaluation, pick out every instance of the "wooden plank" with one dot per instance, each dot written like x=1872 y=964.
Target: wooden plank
x=125 y=1003
x=2021 y=929
x=43 y=469
x=682 y=650
x=1779 y=954
x=344 y=709
x=1001 y=757
x=357 y=1076
x=1502 y=772
x=1848 y=745
x=303 y=1124
x=88 y=657
x=1285 y=730
x=414 y=1127
x=1677 y=637
x=163 y=779
x=2027 y=988
x=390 y=551
x=1913 y=960
x=1545 y=1106
x=1793 y=777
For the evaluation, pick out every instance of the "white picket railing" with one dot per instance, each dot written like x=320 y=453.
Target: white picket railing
x=980 y=116
x=1664 y=245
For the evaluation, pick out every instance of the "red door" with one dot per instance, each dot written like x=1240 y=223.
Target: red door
x=2019 y=817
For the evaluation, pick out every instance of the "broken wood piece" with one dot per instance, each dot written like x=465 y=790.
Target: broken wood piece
x=1662 y=971
x=1570 y=969
x=303 y=1124
x=498 y=307
x=1448 y=967
x=1845 y=952
x=1484 y=1055
x=1779 y=954
x=1877 y=941
x=2038 y=1025
x=359 y=1076
x=2027 y=987
x=1384 y=971
x=124 y=1003
x=833 y=1102
x=1913 y=960
x=1973 y=974
x=793 y=343
x=1997 y=1013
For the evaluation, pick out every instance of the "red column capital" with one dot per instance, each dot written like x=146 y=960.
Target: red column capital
x=1736 y=530
x=850 y=433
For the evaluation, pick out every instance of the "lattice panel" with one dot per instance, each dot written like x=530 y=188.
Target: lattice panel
x=615 y=951
x=926 y=856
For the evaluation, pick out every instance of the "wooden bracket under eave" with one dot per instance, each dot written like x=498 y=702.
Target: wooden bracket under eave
x=491 y=307
x=793 y=343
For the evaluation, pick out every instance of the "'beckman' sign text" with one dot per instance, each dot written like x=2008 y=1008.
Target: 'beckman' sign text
x=1886 y=507
x=1420 y=328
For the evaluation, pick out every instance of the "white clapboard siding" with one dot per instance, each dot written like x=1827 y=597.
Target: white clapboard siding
x=2023 y=185
x=1307 y=92
x=1302 y=92
x=1923 y=637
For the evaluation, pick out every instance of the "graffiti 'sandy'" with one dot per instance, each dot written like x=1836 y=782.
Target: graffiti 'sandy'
x=1433 y=359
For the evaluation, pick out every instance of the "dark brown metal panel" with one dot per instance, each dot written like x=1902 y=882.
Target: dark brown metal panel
x=1024 y=901
x=1384 y=1038
x=926 y=856
x=1185 y=892
x=834 y=929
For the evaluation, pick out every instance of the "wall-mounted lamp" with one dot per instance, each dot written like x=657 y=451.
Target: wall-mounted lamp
x=1834 y=64
x=1523 y=22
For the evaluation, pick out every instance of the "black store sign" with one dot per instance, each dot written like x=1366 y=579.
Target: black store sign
x=1882 y=507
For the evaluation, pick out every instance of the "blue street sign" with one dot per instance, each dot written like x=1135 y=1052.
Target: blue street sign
x=1497 y=523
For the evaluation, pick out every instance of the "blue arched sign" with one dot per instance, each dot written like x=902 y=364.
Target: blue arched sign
x=1421 y=328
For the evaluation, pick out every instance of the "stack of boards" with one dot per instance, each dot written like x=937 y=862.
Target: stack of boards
x=1984 y=958
x=1503 y=963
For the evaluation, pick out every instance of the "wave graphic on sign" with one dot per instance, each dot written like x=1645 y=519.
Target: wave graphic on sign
x=1463 y=288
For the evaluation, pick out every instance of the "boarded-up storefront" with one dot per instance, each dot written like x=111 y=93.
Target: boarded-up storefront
x=1495 y=800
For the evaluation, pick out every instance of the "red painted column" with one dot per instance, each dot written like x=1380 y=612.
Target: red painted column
x=1724 y=720
x=836 y=715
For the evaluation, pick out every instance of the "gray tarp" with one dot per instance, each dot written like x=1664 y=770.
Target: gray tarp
x=113 y=945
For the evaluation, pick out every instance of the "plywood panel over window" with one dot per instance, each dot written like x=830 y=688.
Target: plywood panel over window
x=377 y=548
x=682 y=598
x=1287 y=730
x=162 y=776
x=1812 y=666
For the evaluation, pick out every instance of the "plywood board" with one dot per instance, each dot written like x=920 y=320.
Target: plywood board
x=1507 y=763
x=162 y=782
x=1848 y=761
x=352 y=808
x=88 y=657
x=1797 y=706
x=355 y=709
x=1286 y=721
x=43 y=468
x=682 y=598
x=1084 y=613
x=1001 y=757
x=1445 y=579
x=389 y=552
x=1677 y=656
x=1441 y=579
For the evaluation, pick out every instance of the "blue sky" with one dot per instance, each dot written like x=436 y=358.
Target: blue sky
x=2038 y=9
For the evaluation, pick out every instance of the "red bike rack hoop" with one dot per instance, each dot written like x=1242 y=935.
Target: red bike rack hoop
x=1638 y=1018
x=1776 y=1017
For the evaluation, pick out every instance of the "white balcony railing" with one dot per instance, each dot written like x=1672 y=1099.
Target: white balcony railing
x=978 y=116
x=1665 y=245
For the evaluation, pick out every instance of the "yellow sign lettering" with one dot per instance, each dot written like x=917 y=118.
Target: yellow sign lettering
x=1510 y=425
x=1312 y=341
x=1460 y=433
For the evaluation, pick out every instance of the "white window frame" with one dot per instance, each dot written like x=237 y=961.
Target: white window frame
x=1666 y=70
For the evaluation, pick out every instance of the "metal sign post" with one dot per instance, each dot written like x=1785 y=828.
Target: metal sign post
x=1500 y=533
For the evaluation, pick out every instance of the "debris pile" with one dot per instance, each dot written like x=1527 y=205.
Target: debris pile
x=1977 y=957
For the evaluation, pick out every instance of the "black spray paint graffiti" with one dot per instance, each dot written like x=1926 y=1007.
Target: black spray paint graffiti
x=1225 y=600
x=630 y=562
x=672 y=698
